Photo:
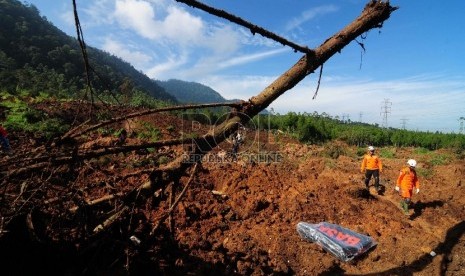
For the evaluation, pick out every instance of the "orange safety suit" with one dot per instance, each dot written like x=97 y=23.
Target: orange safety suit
x=371 y=162
x=406 y=181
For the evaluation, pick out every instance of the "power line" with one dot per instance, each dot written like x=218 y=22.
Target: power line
x=385 y=110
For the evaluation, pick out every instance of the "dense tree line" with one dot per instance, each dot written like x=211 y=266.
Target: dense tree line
x=36 y=56
x=320 y=128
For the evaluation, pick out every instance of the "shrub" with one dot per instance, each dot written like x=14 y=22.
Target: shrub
x=335 y=149
x=149 y=132
x=361 y=151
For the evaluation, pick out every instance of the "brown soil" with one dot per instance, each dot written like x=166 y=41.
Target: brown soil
x=236 y=218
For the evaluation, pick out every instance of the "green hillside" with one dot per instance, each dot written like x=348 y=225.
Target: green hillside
x=191 y=92
x=37 y=57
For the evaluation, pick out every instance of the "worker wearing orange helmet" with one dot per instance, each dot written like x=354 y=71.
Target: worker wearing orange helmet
x=406 y=182
x=372 y=166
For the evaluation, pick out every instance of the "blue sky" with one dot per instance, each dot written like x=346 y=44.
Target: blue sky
x=415 y=63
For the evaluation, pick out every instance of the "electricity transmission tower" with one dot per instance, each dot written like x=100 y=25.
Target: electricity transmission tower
x=345 y=118
x=461 y=120
x=404 y=122
x=385 y=110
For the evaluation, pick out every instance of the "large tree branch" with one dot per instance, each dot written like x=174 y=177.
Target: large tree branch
x=253 y=28
x=42 y=162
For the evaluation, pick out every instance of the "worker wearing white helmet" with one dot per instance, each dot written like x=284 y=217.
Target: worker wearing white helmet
x=372 y=166
x=406 y=181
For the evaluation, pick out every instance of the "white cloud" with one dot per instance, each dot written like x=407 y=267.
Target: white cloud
x=237 y=87
x=250 y=58
x=183 y=27
x=172 y=32
x=137 y=58
x=68 y=17
x=247 y=38
x=164 y=40
x=97 y=13
x=168 y=69
x=137 y=16
x=172 y=23
x=222 y=40
x=309 y=15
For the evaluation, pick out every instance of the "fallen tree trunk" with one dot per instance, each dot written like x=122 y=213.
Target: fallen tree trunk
x=373 y=16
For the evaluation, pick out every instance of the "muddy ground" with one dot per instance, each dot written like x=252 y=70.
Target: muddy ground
x=236 y=217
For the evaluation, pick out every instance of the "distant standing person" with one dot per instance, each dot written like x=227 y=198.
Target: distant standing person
x=4 y=139
x=237 y=140
x=406 y=181
x=372 y=166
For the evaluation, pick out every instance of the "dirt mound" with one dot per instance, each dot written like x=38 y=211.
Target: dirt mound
x=235 y=218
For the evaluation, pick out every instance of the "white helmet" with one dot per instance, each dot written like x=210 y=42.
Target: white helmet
x=412 y=163
x=371 y=148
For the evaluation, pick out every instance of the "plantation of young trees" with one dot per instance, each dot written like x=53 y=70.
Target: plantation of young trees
x=319 y=128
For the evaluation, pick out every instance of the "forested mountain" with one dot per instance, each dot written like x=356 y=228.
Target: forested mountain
x=191 y=92
x=37 y=57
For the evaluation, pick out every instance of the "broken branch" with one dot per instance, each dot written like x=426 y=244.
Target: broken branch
x=173 y=206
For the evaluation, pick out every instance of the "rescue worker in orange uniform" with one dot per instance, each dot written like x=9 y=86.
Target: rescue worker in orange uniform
x=406 y=181
x=372 y=166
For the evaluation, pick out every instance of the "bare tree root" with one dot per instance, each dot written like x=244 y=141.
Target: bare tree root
x=111 y=220
x=30 y=227
x=97 y=201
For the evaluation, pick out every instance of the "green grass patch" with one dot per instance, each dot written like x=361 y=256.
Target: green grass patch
x=421 y=151
x=162 y=160
x=388 y=153
x=21 y=117
x=424 y=173
x=440 y=159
